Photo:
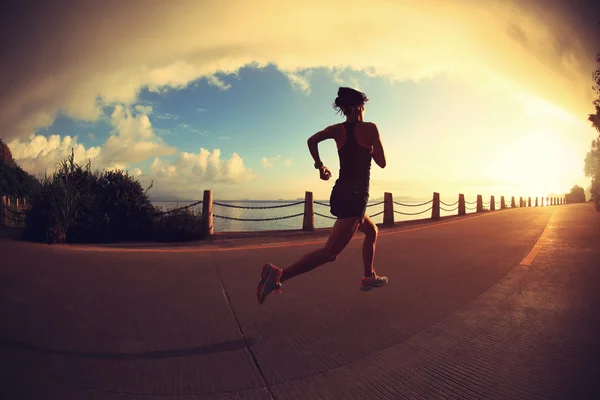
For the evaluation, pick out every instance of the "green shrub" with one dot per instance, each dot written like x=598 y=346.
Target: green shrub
x=75 y=204
x=178 y=225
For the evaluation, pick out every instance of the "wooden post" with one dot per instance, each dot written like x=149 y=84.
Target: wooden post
x=513 y=204
x=521 y=202
x=479 y=203
x=536 y=202
x=3 y=213
x=309 y=212
x=388 y=209
x=462 y=208
x=529 y=201
x=435 y=209
x=542 y=201
x=207 y=213
x=492 y=203
x=502 y=203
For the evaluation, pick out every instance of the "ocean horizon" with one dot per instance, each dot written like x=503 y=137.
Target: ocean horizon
x=229 y=218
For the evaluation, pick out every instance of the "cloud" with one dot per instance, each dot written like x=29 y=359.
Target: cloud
x=143 y=109
x=201 y=109
x=299 y=81
x=215 y=81
x=287 y=162
x=269 y=162
x=189 y=173
x=76 y=64
x=131 y=140
x=167 y=116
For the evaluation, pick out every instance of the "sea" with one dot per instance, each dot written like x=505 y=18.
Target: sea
x=227 y=224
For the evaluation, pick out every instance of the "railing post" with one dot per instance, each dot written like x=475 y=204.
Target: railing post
x=529 y=201
x=502 y=203
x=520 y=201
x=435 y=207
x=479 y=203
x=492 y=203
x=536 y=202
x=513 y=204
x=388 y=209
x=309 y=212
x=542 y=201
x=3 y=213
x=462 y=208
x=207 y=213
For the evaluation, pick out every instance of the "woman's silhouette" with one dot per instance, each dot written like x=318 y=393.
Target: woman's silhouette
x=357 y=142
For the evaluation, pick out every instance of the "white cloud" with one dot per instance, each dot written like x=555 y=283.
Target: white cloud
x=131 y=140
x=144 y=109
x=270 y=161
x=201 y=109
x=167 y=116
x=299 y=81
x=188 y=174
x=217 y=82
x=287 y=162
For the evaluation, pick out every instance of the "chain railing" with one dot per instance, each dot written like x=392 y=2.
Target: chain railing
x=434 y=206
x=16 y=217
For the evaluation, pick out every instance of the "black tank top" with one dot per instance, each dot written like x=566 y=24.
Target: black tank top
x=355 y=162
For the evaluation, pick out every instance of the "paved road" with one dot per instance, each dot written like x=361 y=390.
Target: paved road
x=460 y=318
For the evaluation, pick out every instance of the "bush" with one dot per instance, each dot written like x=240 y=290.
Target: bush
x=178 y=225
x=77 y=205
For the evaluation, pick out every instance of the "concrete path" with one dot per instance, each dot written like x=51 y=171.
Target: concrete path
x=460 y=318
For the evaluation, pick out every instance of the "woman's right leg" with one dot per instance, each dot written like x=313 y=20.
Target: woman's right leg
x=342 y=232
x=272 y=276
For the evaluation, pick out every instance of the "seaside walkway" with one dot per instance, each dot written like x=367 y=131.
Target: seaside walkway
x=469 y=313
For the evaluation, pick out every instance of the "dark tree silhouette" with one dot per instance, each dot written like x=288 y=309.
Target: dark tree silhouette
x=576 y=195
x=592 y=158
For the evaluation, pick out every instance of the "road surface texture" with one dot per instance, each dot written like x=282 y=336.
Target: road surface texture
x=503 y=305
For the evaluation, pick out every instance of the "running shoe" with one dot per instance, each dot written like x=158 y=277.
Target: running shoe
x=371 y=282
x=269 y=282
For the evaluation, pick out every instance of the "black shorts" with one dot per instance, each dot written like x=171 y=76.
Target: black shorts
x=348 y=203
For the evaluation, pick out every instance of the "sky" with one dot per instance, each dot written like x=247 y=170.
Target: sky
x=488 y=97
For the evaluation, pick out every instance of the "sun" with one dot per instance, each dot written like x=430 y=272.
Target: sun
x=538 y=163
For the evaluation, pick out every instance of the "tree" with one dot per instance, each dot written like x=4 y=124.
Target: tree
x=592 y=158
x=576 y=195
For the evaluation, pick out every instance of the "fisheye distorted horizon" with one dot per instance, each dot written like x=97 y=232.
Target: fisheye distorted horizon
x=486 y=98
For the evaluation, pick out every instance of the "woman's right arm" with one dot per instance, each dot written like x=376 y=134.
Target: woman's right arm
x=378 y=153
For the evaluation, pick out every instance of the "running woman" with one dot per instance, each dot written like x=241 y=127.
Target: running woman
x=357 y=142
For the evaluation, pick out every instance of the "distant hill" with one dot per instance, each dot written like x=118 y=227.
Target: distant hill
x=14 y=181
x=5 y=155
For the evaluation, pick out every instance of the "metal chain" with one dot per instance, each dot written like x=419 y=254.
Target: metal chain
x=257 y=219
x=471 y=202
x=257 y=207
x=321 y=204
x=375 y=204
x=422 y=212
x=177 y=209
x=375 y=215
x=449 y=205
x=13 y=211
x=324 y=216
x=413 y=205
x=443 y=209
x=19 y=221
